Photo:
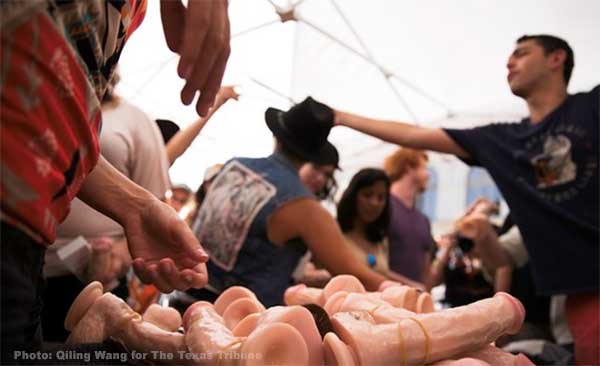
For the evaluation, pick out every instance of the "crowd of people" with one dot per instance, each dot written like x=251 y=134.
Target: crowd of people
x=86 y=192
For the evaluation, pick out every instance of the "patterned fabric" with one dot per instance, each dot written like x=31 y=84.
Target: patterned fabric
x=57 y=58
x=232 y=226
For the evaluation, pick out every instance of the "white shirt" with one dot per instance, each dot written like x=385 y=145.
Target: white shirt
x=133 y=144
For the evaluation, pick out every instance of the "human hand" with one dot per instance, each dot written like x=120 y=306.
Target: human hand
x=225 y=93
x=165 y=251
x=120 y=259
x=100 y=263
x=200 y=35
x=446 y=242
x=482 y=206
x=110 y=260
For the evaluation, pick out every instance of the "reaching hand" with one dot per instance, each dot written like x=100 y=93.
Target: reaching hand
x=226 y=93
x=446 y=242
x=165 y=251
x=482 y=206
x=200 y=35
x=99 y=264
x=110 y=260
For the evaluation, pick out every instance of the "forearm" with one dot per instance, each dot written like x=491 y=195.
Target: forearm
x=369 y=278
x=182 y=140
x=436 y=271
x=113 y=194
x=403 y=134
x=503 y=279
x=492 y=254
x=395 y=276
x=341 y=261
x=395 y=132
x=426 y=273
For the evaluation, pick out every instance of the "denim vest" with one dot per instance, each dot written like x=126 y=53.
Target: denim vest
x=232 y=227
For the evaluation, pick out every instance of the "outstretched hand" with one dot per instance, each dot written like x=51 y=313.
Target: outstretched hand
x=200 y=35
x=225 y=93
x=165 y=252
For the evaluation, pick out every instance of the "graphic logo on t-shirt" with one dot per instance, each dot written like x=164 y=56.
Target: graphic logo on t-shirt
x=554 y=166
x=235 y=197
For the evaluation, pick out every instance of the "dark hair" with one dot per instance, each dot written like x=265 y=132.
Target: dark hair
x=329 y=190
x=167 y=128
x=550 y=44
x=346 y=210
x=109 y=94
x=280 y=147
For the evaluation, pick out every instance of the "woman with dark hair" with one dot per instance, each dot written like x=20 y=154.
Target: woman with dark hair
x=258 y=219
x=363 y=214
x=318 y=177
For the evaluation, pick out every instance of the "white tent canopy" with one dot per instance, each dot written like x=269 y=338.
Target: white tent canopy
x=445 y=62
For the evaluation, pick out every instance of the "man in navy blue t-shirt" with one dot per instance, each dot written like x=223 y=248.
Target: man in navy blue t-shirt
x=547 y=169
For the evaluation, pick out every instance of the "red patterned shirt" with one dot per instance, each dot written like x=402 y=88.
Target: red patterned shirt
x=57 y=59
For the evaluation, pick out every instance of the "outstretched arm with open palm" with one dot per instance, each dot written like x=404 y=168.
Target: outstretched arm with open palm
x=165 y=252
x=182 y=140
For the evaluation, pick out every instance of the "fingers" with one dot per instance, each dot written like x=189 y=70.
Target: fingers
x=166 y=277
x=204 y=51
x=211 y=87
x=199 y=276
x=197 y=25
x=191 y=251
x=172 y=13
x=101 y=245
x=140 y=269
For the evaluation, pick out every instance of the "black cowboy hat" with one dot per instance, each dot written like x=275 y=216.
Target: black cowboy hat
x=303 y=129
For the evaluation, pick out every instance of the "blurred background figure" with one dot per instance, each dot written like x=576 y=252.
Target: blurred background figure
x=409 y=230
x=363 y=215
x=178 y=196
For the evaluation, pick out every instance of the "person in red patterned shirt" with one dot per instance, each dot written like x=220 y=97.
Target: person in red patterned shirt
x=57 y=58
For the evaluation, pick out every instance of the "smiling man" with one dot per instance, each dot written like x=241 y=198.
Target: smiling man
x=547 y=169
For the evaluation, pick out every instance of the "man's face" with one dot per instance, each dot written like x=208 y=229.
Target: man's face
x=421 y=176
x=528 y=66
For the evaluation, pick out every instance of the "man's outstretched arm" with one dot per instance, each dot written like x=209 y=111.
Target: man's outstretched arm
x=403 y=134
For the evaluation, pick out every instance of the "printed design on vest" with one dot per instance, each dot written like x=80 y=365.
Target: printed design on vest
x=233 y=201
x=554 y=166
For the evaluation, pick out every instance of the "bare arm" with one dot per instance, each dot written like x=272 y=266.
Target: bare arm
x=182 y=140
x=164 y=249
x=503 y=279
x=395 y=276
x=436 y=272
x=404 y=134
x=306 y=218
x=426 y=275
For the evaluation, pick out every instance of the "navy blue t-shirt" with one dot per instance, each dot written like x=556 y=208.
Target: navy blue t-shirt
x=548 y=174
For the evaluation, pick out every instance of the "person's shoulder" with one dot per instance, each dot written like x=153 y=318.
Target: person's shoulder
x=587 y=96
x=508 y=125
x=492 y=128
x=594 y=91
x=497 y=129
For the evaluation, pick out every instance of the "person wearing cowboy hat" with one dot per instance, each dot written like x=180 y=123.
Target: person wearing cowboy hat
x=258 y=219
